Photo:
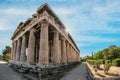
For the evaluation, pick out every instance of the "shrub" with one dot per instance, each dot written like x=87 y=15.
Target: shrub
x=116 y=62
x=107 y=66
x=91 y=62
x=98 y=63
x=6 y=57
x=1 y=57
x=101 y=61
x=107 y=61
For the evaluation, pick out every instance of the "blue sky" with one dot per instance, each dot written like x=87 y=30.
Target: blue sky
x=93 y=24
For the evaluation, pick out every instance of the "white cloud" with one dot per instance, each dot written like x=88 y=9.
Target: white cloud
x=64 y=11
x=11 y=15
x=89 y=17
x=15 y=11
x=2 y=27
x=94 y=39
x=81 y=18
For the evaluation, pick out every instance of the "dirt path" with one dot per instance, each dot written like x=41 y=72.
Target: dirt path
x=78 y=73
x=7 y=73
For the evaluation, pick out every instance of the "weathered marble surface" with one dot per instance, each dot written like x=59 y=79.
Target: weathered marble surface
x=51 y=71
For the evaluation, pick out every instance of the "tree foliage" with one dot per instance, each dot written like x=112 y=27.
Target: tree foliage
x=112 y=52
x=7 y=50
x=6 y=53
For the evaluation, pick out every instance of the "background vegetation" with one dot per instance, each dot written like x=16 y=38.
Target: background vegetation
x=108 y=57
x=6 y=53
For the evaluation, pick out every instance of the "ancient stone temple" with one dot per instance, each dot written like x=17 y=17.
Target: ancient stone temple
x=43 y=39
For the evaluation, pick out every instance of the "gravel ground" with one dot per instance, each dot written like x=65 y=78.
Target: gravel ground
x=78 y=73
x=7 y=73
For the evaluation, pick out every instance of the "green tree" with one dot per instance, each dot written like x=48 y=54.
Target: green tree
x=6 y=53
x=107 y=66
x=98 y=55
x=106 y=53
x=114 y=53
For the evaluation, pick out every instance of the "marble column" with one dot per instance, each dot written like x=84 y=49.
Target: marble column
x=71 y=54
x=56 y=53
x=31 y=47
x=64 y=60
x=43 y=51
x=14 y=50
x=23 y=49
x=68 y=52
x=18 y=50
x=76 y=56
x=60 y=51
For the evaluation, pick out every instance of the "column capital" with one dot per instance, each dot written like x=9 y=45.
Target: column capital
x=23 y=35
x=55 y=32
x=62 y=38
x=44 y=23
x=32 y=30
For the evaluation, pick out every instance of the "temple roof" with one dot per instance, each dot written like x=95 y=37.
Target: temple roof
x=51 y=12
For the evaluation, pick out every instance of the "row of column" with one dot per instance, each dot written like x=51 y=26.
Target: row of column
x=64 y=54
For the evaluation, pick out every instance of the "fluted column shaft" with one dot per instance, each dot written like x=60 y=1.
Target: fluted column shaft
x=23 y=49
x=43 y=51
x=68 y=52
x=31 y=47
x=64 y=60
x=71 y=54
x=13 y=53
x=60 y=56
x=56 y=54
x=14 y=50
x=18 y=50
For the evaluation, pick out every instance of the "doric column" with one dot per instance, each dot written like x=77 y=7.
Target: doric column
x=18 y=50
x=23 y=49
x=68 y=52
x=31 y=47
x=71 y=54
x=43 y=51
x=60 y=51
x=56 y=53
x=14 y=50
x=76 y=56
x=63 y=51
